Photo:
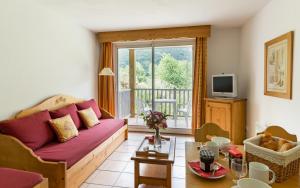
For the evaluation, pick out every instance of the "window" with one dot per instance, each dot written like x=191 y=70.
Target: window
x=155 y=76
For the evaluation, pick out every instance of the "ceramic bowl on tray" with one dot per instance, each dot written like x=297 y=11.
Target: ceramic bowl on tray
x=251 y=183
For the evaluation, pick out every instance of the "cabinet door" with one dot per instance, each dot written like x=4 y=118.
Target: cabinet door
x=218 y=113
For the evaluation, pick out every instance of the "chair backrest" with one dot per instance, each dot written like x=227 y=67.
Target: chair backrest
x=280 y=132
x=210 y=129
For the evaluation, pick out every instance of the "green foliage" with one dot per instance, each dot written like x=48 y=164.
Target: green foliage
x=143 y=77
x=172 y=66
x=174 y=73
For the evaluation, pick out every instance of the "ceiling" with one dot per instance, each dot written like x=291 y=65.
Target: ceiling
x=113 y=15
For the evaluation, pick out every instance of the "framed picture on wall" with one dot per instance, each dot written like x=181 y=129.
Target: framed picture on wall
x=279 y=66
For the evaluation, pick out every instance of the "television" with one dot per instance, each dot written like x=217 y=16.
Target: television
x=224 y=85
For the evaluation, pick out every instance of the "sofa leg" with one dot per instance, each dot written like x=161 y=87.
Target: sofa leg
x=126 y=131
x=126 y=134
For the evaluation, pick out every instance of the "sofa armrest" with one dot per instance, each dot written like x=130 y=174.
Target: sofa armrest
x=105 y=114
x=15 y=154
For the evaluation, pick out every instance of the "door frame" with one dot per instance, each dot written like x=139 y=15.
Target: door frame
x=151 y=44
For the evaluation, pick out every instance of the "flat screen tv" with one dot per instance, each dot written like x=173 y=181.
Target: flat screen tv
x=224 y=85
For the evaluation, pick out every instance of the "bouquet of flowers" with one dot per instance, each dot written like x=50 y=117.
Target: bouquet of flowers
x=155 y=120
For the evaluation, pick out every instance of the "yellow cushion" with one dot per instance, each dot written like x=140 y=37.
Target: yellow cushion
x=64 y=127
x=88 y=117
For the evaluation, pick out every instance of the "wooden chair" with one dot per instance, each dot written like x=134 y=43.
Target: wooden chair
x=280 y=132
x=210 y=129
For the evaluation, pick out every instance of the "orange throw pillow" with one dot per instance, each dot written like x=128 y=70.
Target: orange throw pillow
x=89 y=117
x=64 y=128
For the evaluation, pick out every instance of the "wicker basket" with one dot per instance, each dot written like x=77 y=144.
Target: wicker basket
x=284 y=164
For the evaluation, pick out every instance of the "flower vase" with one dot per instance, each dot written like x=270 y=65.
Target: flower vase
x=157 y=138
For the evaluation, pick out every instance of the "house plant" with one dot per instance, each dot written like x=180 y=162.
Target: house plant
x=156 y=120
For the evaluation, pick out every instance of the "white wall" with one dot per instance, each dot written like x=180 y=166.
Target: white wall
x=42 y=54
x=223 y=53
x=276 y=18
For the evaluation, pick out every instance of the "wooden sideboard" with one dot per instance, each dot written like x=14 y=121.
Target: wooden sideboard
x=229 y=114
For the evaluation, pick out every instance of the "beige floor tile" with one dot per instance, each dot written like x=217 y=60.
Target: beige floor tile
x=180 y=146
x=182 y=140
x=84 y=185
x=137 y=137
x=103 y=177
x=126 y=148
x=178 y=183
x=109 y=165
x=178 y=172
x=180 y=153
x=125 y=180
x=132 y=143
x=118 y=156
x=129 y=167
x=179 y=161
x=97 y=186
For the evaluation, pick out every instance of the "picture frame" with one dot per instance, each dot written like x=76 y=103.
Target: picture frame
x=278 y=66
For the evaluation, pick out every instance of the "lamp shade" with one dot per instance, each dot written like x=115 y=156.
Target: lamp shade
x=106 y=72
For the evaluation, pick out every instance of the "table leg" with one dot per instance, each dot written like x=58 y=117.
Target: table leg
x=136 y=174
x=169 y=176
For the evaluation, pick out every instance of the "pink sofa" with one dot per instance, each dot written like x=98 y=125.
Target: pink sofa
x=33 y=134
x=12 y=178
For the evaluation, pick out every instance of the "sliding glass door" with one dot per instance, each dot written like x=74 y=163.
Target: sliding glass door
x=155 y=76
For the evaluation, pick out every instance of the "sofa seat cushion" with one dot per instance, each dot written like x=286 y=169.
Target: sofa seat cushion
x=12 y=178
x=70 y=109
x=34 y=131
x=87 y=140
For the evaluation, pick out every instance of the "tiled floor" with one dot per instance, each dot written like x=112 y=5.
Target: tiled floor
x=117 y=170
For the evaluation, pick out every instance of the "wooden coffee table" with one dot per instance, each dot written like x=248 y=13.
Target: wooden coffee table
x=152 y=168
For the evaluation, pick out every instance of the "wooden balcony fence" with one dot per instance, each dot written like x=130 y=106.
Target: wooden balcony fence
x=182 y=96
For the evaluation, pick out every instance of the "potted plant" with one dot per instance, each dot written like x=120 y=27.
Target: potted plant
x=156 y=120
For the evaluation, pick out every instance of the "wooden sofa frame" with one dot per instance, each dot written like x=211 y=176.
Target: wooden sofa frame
x=14 y=154
x=43 y=184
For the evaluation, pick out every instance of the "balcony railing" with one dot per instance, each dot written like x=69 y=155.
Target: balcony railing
x=182 y=97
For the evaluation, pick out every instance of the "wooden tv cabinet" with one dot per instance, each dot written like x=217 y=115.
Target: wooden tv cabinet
x=229 y=114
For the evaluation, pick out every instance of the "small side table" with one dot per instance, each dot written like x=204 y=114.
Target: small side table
x=154 y=169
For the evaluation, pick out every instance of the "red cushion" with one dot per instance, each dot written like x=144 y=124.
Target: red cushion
x=13 y=178
x=90 y=103
x=76 y=148
x=34 y=130
x=70 y=109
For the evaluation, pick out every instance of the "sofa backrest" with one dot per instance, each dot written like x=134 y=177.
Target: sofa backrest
x=52 y=103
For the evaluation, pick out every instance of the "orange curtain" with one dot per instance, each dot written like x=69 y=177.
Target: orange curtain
x=106 y=84
x=199 y=83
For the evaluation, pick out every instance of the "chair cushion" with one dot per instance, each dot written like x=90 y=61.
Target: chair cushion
x=90 y=103
x=12 y=178
x=34 y=130
x=64 y=128
x=88 y=117
x=70 y=109
x=76 y=148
